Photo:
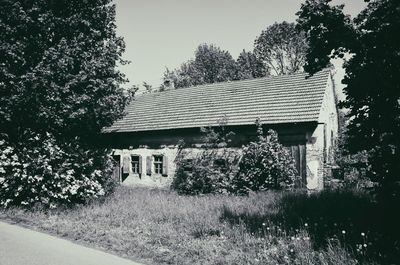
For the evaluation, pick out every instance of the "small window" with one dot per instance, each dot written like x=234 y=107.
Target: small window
x=158 y=164
x=135 y=164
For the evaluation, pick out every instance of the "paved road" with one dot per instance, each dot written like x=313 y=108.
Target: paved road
x=21 y=246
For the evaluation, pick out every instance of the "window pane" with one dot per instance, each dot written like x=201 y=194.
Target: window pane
x=158 y=164
x=135 y=164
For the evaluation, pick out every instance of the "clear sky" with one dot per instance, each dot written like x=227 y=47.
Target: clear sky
x=165 y=33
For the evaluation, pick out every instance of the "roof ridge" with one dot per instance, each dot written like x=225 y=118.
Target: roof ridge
x=270 y=77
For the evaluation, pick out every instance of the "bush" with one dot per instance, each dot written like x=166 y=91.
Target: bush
x=265 y=165
x=262 y=165
x=209 y=171
x=354 y=168
x=213 y=168
x=41 y=170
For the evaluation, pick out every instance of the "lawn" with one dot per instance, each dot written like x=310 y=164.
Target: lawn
x=161 y=227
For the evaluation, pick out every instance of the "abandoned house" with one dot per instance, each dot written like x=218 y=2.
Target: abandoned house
x=302 y=110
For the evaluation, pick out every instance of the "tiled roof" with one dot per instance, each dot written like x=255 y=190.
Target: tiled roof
x=281 y=99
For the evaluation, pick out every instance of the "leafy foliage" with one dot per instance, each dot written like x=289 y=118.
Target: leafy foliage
x=265 y=165
x=42 y=171
x=327 y=29
x=210 y=65
x=249 y=66
x=353 y=167
x=217 y=168
x=210 y=169
x=59 y=83
x=148 y=88
x=58 y=70
x=372 y=76
x=220 y=136
x=282 y=48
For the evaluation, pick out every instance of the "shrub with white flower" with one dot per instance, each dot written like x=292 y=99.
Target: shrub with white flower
x=42 y=171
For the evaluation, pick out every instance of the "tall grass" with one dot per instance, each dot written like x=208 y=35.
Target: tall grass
x=161 y=227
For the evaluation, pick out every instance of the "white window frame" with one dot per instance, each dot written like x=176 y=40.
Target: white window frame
x=135 y=160
x=158 y=164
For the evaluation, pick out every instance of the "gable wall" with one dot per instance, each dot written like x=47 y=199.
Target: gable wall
x=321 y=143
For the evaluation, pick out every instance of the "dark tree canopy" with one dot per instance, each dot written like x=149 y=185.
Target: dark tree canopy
x=372 y=75
x=58 y=67
x=327 y=29
x=210 y=65
x=59 y=86
x=282 y=48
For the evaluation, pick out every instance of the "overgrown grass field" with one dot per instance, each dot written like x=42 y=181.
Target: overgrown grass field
x=161 y=227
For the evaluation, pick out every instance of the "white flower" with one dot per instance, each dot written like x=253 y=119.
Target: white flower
x=7 y=202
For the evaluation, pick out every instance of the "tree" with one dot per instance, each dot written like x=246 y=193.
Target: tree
x=327 y=29
x=353 y=167
x=249 y=66
x=149 y=88
x=215 y=65
x=372 y=76
x=210 y=65
x=282 y=48
x=184 y=76
x=59 y=86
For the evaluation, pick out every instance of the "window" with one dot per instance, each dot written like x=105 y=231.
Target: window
x=135 y=164
x=158 y=164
